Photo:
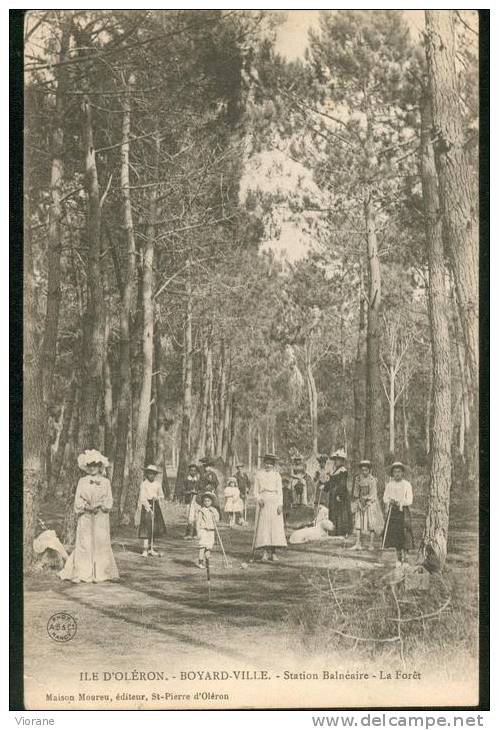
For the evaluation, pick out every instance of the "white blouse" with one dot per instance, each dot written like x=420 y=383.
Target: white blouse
x=93 y=492
x=400 y=492
x=269 y=482
x=150 y=490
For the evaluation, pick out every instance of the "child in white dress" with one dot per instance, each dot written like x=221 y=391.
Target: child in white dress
x=233 y=502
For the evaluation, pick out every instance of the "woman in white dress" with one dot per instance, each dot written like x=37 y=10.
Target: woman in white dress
x=92 y=560
x=269 y=529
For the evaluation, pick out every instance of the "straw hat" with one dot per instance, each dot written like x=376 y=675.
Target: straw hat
x=269 y=459
x=211 y=496
x=365 y=462
x=152 y=467
x=92 y=456
x=397 y=465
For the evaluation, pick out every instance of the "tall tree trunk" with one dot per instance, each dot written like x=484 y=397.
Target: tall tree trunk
x=158 y=425
x=391 y=404
x=144 y=410
x=462 y=429
x=458 y=198
x=205 y=394
x=210 y=433
x=58 y=459
x=231 y=449
x=222 y=397
x=359 y=385
x=107 y=391
x=227 y=413
x=34 y=415
x=250 y=445
x=374 y=413
x=93 y=352
x=434 y=545
x=185 y=433
x=466 y=394
x=312 y=391
x=93 y=336
x=125 y=391
x=258 y=446
x=54 y=251
x=405 y=423
x=428 y=417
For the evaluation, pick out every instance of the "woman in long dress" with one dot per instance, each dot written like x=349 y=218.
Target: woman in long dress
x=340 y=512
x=398 y=526
x=269 y=529
x=92 y=560
x=367 y=515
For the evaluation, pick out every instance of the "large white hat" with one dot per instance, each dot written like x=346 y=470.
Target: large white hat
x=92 y=456
x=339 y=454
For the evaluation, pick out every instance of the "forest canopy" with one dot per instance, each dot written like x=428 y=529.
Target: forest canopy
x=228 y=252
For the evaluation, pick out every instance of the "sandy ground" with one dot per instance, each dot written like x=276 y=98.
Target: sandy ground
x=162 y=620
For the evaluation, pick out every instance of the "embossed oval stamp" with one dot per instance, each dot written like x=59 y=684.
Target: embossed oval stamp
x=61 y=627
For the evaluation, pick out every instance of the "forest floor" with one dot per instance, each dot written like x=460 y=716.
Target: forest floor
x=161 y=616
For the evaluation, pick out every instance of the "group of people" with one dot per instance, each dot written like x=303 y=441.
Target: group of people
x=359 y=512
x=337 y=511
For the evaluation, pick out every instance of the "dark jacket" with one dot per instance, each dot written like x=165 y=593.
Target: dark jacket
x=340 y=512
x=243 y=484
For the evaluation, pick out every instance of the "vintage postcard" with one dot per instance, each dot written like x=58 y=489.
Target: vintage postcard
x=251 y=359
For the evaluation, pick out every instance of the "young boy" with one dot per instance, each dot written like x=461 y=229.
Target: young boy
x=206 y=519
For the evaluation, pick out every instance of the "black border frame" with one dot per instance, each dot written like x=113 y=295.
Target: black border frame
x=16 y=141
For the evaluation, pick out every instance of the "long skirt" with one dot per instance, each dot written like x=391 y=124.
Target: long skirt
x=269 y=524
x=369 y=519
x=92 y=560
x=146 y=522
x=398 y=529
x=340 y=515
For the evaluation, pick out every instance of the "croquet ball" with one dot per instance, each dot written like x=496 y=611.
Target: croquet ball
x=244 y=565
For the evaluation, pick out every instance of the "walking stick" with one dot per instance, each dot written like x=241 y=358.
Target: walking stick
x=254 y=534
x=386 y=526
x=94 y=569
x=152 y=525
x=207 y=561
x=155 y=502
x=226 y=562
